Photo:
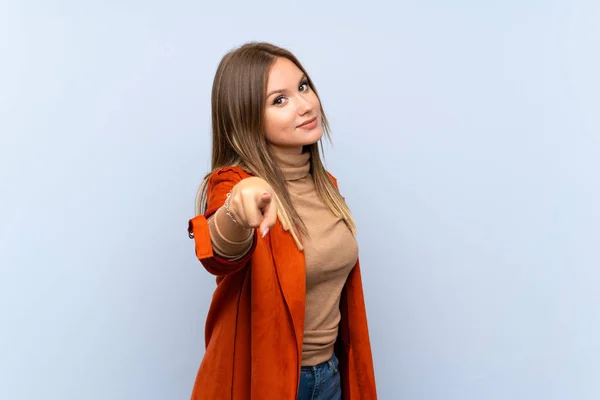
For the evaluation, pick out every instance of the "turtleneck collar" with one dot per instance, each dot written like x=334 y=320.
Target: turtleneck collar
x=293 y=166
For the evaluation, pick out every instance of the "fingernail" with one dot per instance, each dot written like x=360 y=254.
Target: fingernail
x=265 y=232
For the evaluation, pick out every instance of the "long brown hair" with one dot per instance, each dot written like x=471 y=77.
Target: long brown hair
x=238 y=108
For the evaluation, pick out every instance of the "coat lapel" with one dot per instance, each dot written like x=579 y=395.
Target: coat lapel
x=291 y=273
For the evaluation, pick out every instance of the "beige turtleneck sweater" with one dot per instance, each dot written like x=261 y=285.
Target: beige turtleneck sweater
x=330 y=252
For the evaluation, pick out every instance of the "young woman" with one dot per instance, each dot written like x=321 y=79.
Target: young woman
x=287 y=319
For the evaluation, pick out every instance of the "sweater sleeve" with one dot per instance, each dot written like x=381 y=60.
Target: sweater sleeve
x=214 y=254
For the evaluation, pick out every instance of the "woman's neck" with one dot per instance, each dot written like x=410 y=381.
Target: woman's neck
x=293 y=163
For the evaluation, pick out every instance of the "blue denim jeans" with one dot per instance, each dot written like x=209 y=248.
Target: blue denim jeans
x=321 y=382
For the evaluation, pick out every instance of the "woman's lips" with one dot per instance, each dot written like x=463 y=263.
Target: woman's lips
x=310 y=124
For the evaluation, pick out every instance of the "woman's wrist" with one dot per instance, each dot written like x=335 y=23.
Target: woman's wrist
x=227 y=210
x=229 y=228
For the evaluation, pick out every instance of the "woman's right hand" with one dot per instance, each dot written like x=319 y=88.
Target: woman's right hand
x=253 y=204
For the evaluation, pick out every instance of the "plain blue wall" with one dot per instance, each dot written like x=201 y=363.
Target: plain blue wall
x=466 y=141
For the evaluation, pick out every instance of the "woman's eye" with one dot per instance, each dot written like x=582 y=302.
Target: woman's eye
x=304 y=86
x=279 y=101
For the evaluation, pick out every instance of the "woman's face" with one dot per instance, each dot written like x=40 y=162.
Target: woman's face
x=292 y=112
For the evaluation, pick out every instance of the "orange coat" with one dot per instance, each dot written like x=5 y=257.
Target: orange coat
x=255 y=324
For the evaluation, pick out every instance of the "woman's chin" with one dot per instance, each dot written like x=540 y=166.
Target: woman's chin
x=313 y=136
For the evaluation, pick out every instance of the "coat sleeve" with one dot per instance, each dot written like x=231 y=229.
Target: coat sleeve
x=219 y=184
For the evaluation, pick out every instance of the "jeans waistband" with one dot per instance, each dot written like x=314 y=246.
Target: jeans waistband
x=321 y=365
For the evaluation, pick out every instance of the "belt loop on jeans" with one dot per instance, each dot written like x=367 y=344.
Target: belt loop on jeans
x=331 y=365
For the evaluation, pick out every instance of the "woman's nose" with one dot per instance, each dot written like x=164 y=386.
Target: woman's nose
x=304 y=106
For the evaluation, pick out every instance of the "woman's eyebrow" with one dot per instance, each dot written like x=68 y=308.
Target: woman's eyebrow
x=302 y=78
